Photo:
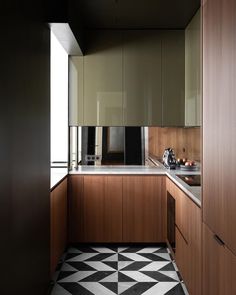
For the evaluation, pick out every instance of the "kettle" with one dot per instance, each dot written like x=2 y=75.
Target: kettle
x=168 y=158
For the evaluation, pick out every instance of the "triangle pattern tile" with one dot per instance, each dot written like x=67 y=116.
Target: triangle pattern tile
x=132 y=249
x=166 y=256
x=139 y=288
x=96 y=288
x=64 y=274
x=77 y=276
x=123 y=258
x=159 y=277
x=82 y=256
x=139 y=276
x=99 y=266
x=177 y=290
x=112 y=264
x=136 y=265
x=75 y=288
x=105 y=249
x=111 y=278
x=123 y=264
x=149 y=250
x=123 y=278
x=123 y=286
x=155 y=266
x=171 y=274
x=73 y=250
x=138 y=257
x=168 y=267
x=81 y=266
x=111 y=286
x=100 y=257
x=111 y=258
x=97 y=276
x=69 y=267
x=59 y=290
x=153 y=257
x=160 y=288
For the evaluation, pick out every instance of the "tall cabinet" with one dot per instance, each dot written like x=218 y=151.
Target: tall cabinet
x=219 y=126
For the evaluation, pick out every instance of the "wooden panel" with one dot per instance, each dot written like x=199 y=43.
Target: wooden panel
x=144 y=208
x=219 y=266
x=173 y=92
x=188 y=238
x=103 y=97
x=58 y=210
x=186 y=142
x=182 y=255
x=219 y=120
x=142 y=78
x=76 y=204
x=102 y=209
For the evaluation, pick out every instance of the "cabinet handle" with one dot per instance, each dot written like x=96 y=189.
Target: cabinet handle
x=218 y=240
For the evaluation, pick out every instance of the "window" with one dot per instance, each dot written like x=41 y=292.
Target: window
x=59 y=103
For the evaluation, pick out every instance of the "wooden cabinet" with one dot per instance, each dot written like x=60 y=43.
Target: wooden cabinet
x=188 y=238
x=95 y=208
x=193 y=71
x=219 y=266
x=142 y=78
x=58 y=223
x=102 y=211
x=173 y=87
x=219 y=120
x=117 y=208
x=144 y=209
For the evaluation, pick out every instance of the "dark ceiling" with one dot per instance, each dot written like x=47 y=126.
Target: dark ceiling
x=134 y=14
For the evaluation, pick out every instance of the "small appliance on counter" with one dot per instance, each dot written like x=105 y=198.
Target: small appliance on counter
x=168 y=158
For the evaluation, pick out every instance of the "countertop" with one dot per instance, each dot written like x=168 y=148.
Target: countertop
x=57 y=174
x=193 y=192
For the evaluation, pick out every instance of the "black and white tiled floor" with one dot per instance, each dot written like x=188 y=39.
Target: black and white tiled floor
x=117 y=270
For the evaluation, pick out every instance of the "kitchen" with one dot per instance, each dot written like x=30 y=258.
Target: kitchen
x=134 y=229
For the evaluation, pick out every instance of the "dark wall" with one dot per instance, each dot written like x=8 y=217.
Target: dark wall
x=24 y=148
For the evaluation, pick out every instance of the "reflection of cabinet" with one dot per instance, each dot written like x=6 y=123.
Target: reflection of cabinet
x=143 y=209
x=193 y=72
x=173 y=78
x=188 y=238
x=129 y=78
x=58 y=211
x=142 y=78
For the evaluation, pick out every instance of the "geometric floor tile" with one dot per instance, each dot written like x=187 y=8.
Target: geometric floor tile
x=109 y=270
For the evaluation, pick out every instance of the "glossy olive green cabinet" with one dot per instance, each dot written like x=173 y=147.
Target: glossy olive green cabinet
x=173 y=58
x=193 y=72
x=129 y=78
x=142 y=78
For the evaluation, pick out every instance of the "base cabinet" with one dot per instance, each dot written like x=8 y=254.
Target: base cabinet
x=219 y=266
x=116 y=209
x=58 y=224
x=188 y=238
x=143 y=209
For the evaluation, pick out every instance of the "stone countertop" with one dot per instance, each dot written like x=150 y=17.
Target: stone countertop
x=193 y=192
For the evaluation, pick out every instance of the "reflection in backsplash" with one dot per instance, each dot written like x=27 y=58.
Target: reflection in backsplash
x=185 y=142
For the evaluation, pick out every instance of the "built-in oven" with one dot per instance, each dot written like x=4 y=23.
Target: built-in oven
x=171 y=221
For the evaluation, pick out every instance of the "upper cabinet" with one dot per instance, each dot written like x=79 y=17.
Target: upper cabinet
x=129 y=78
x=103 y=99
x=142 y=78
x=173 y=78
x=193 y=72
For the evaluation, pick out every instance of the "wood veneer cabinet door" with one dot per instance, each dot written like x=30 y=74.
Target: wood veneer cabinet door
x=102 y=208
x=219 y=120
x=144 y=209
x=58 y=210
x=219 y=266
x=75 y=205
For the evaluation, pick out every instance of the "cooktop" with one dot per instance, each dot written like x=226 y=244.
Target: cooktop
x=192 y=180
